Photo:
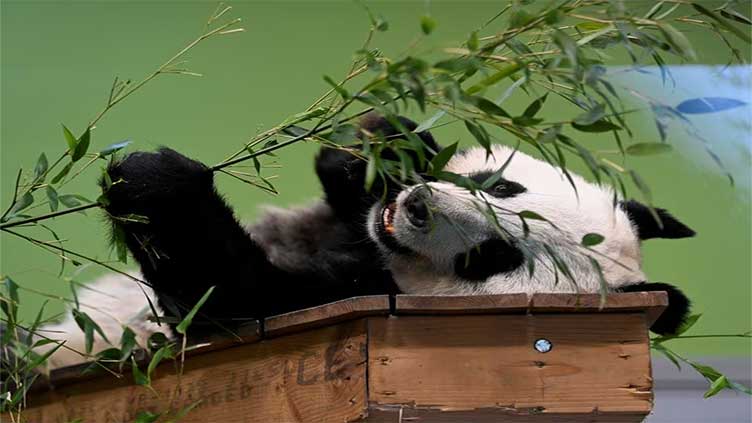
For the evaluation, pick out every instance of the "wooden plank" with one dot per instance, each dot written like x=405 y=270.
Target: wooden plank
x=246 y=333
x=599 y=363
x=405 y=414
x=327 y=314
x=652 y=303
x=466 y=304
x=313 y=376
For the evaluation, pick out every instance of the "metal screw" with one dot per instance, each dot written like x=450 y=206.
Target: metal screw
x=543 y=345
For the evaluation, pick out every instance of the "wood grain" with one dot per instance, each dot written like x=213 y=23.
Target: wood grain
x=315 y=376
x=651 y=303
x=468 y=304
x=599 y=364
x=409 y=414
x=326 y=314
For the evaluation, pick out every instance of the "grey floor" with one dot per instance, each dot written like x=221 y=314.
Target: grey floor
x=679 y=395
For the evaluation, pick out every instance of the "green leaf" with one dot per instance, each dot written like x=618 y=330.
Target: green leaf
x=492 y=79
x=591 y=116
x=529 y=214
x=88 y=326
x=10 y=308
x=127 y=343
x=156 y=341
x=183 y=326
x=489 y=107
x=138 y=376
x=162 y=353
x=63 y=172
x=591 y=26
x=427 y=24
x=113 y=148
x=535 y=106
x=147 y=416
x=567 y=45
x=480 y=134
x=82 y=146
x=642 y=186
x=25 y=201
x=688 y=323
x=725 y=24
x=52 y=197
x=717 y=386
x=472 y=42
x=592 y=239
x=69 y=200
x=70 y=139
x=678 y=41
x=337 y=87
x=381 y=24
x=648 y=148
x=666 y=353
x=118 y=242
x=519 y=18
x=41 y=168
x=442 y=158
x=598 y=126
x=370 y=173
x=735 y=16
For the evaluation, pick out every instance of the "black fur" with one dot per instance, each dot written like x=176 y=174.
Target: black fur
x=487 y=259
x=648 y=227
x=192 y=240
x=342 y=174
x=675 y=314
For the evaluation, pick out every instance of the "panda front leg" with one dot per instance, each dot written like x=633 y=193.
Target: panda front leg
x=190 y=240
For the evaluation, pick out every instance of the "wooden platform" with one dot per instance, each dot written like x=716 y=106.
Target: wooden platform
x=422 y=359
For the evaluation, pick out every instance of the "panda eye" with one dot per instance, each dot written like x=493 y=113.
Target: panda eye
x=506 y=189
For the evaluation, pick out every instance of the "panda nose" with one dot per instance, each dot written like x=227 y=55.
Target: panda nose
x=416 y=205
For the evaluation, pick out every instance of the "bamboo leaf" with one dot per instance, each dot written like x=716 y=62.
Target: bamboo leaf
x=736 y=16
x=648 y=148
x=70 y=139
x=678 y=41
x=113 y=148
x=63 y=172
x=41 y=168
x=183 y=326
x=82 y=146
x=427 y=24
x=708 y=105
x=52 y=197
x=535 y=106
x=725 y=24
x=592 y=239
x=717 y=386
x=480 y=135
x=138 y=376
x=591 y=116
x=442 y=158
x=598 y=126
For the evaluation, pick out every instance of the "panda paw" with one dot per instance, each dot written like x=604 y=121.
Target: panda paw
x=149 y=184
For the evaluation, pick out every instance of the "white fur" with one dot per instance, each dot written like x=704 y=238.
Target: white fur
x=459 y=224
x=113 y=302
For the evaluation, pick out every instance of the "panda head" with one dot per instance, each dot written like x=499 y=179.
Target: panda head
x=437 y=238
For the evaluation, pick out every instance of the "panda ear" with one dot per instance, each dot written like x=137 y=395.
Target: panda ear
x=377 y=124
x=647 y=225
x=675 y=314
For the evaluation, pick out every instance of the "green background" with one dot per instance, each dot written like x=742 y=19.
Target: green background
x=59 y=58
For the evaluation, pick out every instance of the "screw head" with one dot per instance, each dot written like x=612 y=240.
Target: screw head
x=543 y=345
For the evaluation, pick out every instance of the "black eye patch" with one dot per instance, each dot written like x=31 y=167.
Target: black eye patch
x=487 y=259
x=501 y=188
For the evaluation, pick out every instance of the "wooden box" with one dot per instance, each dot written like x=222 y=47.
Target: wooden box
x=505 y=358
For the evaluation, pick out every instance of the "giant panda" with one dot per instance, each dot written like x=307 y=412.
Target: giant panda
x=425 y=237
